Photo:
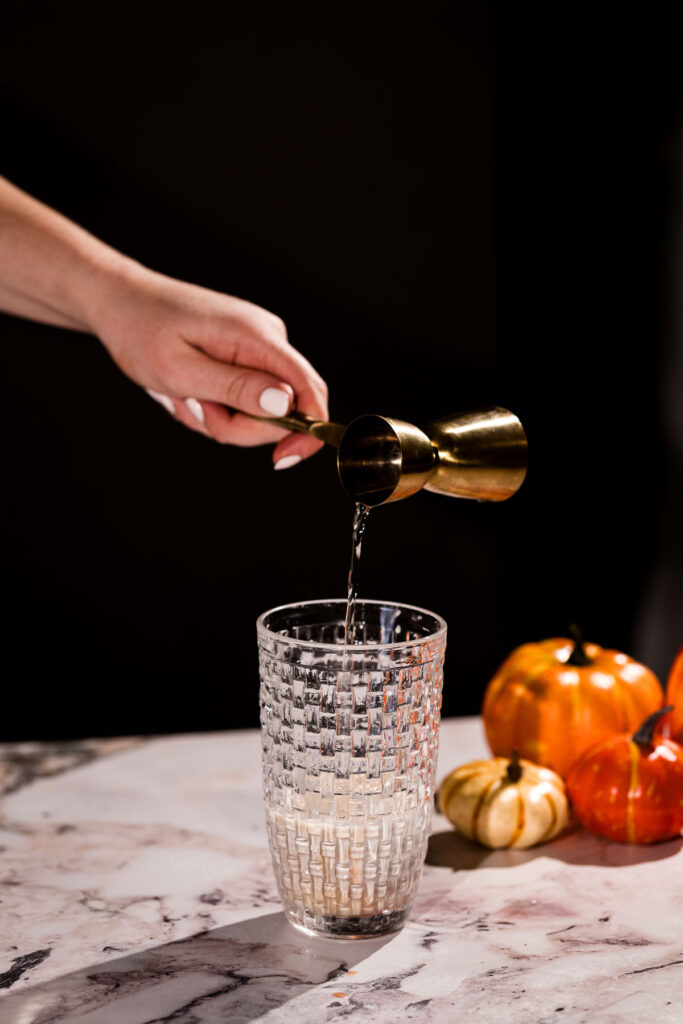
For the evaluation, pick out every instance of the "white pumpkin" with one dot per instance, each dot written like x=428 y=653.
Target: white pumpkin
x=505 y=803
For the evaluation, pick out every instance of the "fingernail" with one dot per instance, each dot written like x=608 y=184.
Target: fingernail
x=195 y=408
x=162 y=400
x=286 y=461
x=274 y=401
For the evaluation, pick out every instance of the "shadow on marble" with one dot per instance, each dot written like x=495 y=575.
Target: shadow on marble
x=24 y=763
x=450 y=850
x=241 y=971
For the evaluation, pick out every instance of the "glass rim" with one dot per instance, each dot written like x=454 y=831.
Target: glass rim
x=438 y=632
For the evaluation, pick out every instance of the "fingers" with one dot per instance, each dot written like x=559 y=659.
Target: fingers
x=267 y=378
x=262 y=345
x=310 y=397
x=229 y=427
x=235 y=428
x=163 y=400
x=217 y=422
x=309 y=387
x=238 y=387
x=293 y=448
x=188 y=412
x=244 y=389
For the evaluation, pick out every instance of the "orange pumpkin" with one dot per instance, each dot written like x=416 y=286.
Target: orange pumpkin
x=674 y=695
x=555 y=699
x=630 y=788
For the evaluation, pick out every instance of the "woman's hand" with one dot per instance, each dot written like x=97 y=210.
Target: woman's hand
x=207 y=358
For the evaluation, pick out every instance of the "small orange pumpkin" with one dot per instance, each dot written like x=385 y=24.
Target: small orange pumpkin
x=674 y=695
x=630 y=788
x=555 y=699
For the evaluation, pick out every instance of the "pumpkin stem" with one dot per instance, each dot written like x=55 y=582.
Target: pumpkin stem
x=514 y=769
x=578 y=655
x=645 y=735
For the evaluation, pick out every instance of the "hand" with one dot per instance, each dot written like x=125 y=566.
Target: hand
x=208 y=357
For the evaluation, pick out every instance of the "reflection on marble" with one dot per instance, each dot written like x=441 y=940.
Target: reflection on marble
x=136 y=887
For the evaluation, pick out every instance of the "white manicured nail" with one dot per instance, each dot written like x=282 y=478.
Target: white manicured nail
x=195 y=408
x=274 y=401
x=286 y=461
x=162 y=400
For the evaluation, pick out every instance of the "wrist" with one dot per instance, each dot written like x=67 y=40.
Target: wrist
x=106 y=279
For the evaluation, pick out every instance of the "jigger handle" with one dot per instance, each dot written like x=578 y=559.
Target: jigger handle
x=301 y=423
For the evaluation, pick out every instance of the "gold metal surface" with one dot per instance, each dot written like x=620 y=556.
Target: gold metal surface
x=381 y=460
x=480 y=454
x=330 y=433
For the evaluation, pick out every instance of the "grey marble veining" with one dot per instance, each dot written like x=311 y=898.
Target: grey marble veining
x=136 y=887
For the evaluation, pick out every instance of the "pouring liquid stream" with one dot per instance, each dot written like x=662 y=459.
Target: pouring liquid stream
x=360 y=518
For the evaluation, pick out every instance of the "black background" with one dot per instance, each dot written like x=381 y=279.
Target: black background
x=451 y=205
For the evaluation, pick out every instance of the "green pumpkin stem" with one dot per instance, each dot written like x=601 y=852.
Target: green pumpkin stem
x=645 y=735
x=578 y=655
x=514 y=769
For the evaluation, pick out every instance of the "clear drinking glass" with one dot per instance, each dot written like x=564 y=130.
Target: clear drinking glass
x=350 y=742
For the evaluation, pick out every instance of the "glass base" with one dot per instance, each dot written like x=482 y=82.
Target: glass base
x=329 y=926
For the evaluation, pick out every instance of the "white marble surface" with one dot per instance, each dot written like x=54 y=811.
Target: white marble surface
x=136 y=887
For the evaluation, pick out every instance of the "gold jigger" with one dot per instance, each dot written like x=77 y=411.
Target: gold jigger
x=480 y=454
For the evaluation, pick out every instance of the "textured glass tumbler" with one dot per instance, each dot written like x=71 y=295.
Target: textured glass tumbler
x=350 y=742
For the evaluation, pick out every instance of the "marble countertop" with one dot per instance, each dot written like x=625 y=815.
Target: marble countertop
x=136 y=887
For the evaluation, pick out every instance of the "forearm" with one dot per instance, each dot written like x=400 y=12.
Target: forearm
x=31 y=309
x=50 y=269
